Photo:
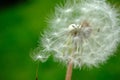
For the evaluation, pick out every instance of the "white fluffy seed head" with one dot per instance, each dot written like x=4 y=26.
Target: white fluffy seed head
x=85 y=32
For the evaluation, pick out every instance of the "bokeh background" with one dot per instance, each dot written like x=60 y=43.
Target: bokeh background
x=21 y=22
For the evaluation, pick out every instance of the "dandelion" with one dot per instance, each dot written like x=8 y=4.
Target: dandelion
x=81 y=33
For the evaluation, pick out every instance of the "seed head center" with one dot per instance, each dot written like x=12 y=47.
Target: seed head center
x=82 y=31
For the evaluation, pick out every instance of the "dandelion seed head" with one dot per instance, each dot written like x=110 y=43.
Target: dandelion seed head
x=85 y=32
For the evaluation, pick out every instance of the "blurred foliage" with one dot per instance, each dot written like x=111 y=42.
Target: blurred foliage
x=20 y=28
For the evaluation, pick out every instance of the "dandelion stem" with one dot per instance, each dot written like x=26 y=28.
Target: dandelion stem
x=69 y=71
x=37 y=71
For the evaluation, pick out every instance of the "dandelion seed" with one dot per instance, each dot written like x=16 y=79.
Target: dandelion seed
x=68 y=10
x=58 y=20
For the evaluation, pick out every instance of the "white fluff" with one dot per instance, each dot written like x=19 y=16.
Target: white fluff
x=91 y=41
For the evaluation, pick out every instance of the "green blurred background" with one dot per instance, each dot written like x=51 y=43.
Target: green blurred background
x=21 y=22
